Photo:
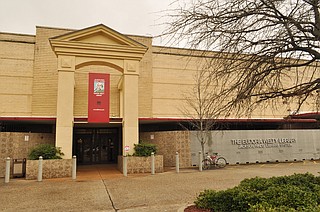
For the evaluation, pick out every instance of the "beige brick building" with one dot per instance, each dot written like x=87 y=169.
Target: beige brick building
x=44 y=89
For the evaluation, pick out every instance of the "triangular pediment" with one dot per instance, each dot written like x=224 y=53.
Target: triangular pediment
x=99 y=34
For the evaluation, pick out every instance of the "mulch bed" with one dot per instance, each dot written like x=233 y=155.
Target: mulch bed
x=193 y=208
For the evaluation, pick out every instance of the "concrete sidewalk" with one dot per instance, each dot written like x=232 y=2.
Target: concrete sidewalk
x=107 y=190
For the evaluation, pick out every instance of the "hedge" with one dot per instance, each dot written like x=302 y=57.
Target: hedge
x=298 y=192
x=144 y=149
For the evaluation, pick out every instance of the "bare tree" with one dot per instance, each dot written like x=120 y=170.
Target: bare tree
x=266 y=49
x=202 y=106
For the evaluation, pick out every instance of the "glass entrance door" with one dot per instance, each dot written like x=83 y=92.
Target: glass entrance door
x=97 y=145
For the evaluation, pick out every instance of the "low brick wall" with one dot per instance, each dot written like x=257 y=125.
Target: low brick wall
x=141 y=164
x=51 y=168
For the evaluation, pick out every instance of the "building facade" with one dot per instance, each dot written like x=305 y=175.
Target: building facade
x=45 y=94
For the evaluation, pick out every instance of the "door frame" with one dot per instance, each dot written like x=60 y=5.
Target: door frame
x=96 y=136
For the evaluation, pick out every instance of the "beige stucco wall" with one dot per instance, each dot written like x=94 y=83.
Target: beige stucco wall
x=45 y=83
x=173 y=75
x=145 y=85
x=46 y=79
x=173 y=78
x=32 y=66
x=145 y=78
x=16 y=74
x=28 y=75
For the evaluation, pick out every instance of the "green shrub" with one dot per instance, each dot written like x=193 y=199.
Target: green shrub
x=47 y=151
x=144 y=149
x=298 y=192
x=218 y=200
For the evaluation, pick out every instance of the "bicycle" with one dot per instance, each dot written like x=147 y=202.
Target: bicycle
x=214 y=159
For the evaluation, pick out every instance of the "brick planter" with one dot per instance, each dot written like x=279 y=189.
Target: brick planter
x=51 y=168
x=141 y=164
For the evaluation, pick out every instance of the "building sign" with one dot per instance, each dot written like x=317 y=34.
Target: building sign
x=263 y=143
x=98 y=98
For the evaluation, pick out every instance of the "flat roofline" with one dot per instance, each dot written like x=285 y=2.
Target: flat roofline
x=69 y=29
x=157 y=120
x=48 y=118
x=27 y=118
x=19 y=34
x=304 y=115
x=85 y=120
x=242 y=120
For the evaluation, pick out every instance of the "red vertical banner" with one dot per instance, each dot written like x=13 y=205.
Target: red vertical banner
x=98 y=98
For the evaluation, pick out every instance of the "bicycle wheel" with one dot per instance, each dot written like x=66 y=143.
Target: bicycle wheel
x=221 y=162
x=205 y=164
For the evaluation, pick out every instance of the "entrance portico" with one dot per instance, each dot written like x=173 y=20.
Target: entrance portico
x=98 y=45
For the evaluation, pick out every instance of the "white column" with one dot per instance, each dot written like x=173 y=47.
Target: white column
x=65 y=101
x=130 y=105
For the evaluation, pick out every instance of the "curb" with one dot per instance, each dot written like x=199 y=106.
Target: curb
x=181 y=209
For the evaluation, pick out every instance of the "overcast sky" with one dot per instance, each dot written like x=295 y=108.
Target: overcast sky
x=136 y=17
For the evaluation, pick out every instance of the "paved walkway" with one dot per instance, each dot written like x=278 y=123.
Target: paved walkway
x=103 y=188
